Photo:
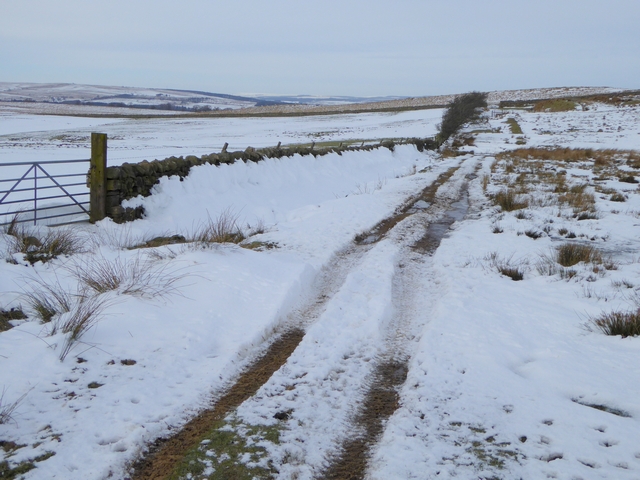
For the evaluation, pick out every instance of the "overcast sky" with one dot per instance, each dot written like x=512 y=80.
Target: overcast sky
x=323 y=47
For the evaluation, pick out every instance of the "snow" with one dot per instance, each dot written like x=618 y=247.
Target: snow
x=503 y=376
x=36 y=138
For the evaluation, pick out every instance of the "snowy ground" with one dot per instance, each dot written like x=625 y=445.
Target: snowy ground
x=505 y=380
x=37 y=138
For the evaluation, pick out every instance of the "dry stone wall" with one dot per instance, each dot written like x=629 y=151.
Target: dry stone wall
x=132 y=179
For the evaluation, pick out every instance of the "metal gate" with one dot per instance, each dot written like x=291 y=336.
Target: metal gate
x=46 y=191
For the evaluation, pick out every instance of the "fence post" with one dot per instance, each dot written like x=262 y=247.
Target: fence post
x=98 y=177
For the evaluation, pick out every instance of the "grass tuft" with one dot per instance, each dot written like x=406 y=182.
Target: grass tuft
x=569 y=254
x=56 y=242
x=625 y=324
x=223 y=229
x=507 y=200
x=135 y=277
x=82 y=317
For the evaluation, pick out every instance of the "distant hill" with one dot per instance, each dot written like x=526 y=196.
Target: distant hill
x=157 y=98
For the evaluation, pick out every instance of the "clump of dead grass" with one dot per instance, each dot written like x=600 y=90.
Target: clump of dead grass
x=625 y=324
x=508 y=200
x=570 y=254
x=134 y=276
x=222 y=229
x=42 y=247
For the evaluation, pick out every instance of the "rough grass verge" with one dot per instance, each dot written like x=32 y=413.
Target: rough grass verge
x=625 y=324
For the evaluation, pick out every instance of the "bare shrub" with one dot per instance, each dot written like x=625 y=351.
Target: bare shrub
x=626 y=324
x=569 y=254
x=463 y=109
x=223 y=229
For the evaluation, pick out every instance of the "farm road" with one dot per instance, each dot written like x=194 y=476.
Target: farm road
x=329 y=381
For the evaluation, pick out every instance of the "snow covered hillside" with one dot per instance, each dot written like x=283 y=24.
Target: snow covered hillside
x=446 y=265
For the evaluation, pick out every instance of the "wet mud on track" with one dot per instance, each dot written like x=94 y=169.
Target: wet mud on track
x=382 y=397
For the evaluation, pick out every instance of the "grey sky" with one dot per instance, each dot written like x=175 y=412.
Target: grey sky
x=323 y=47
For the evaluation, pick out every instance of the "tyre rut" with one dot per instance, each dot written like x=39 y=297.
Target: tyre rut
x=166 y=453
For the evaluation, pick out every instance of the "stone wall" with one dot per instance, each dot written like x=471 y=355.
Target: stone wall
x=132 y=179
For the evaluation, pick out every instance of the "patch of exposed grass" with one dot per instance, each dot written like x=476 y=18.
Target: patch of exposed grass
x=570 y=254
x=508 y=201
x=232 y=450
x=625 y=324
x=514 y=126
x=555 y=105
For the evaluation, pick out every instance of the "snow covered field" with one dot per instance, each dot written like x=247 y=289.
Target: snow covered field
x=37 y=138
x=505 y=379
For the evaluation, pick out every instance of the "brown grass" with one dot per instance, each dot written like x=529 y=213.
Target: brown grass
x=507 y=200
x=625 y=324
x=602 y=157
x=554 y=105
x=569 y=254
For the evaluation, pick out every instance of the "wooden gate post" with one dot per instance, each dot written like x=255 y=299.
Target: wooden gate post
x=98 y=178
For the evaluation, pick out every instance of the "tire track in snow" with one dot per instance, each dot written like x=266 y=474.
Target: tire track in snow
x=292 y=349
x=315 y=398
x=411 y=307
